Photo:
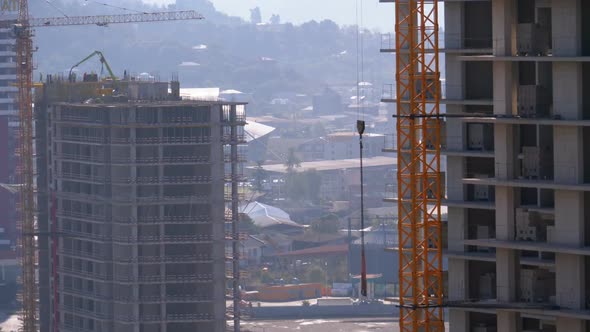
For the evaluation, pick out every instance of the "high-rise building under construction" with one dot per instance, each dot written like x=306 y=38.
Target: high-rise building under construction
x=518 y=155
x=8 y=142
x=8 y=124
x=133 y=189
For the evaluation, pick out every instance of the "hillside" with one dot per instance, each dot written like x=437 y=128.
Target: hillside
x=223 y=51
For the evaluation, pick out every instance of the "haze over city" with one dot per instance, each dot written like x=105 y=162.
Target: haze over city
x=377 y=16
x=282 y=165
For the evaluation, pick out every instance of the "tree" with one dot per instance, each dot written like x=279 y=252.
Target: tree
x=327 y=224
x=255 y=15
x=247 y=224
x=317 y=275
x=259 y=175
x=292 y=160
x=318 y=130
x=303 y=186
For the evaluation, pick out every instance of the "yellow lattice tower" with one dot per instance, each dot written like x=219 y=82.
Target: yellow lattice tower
x=24 y=60
x=419 y=179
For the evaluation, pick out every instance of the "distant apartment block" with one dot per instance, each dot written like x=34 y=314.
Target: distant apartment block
x=134 y=184
x=8 y=114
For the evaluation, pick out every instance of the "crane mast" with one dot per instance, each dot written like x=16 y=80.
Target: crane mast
x=27 y=206
x=418 y=175
x=25 y=169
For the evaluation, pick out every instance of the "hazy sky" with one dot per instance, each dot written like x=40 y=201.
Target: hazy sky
x=341 y=11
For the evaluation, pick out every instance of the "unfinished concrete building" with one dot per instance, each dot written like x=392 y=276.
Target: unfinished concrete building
x=518 y=164
x=132 y=206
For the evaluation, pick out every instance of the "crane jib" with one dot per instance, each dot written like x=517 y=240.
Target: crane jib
x=105 y=20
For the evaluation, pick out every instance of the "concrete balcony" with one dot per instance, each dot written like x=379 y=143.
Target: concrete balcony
x=467 y=153
x=516 y=58
x=527 y=183
x=389 y=95
x=163 y=180
x=491 y=257
x=528 y=121
x=184 y=298
x=529 y=246
x=483 y=205
x=159 y=200
x=157 y=279
x=169 y=259
x=121 y=239
x=448 y=44
x=531 y=309
x=201 y=219
x=472 y=256
x=80 y=216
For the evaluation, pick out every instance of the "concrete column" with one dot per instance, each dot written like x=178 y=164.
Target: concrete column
x=567 y=90
x=134 y=228
x=570 y=281
x=454 y=23
x=568 y=155
x=504 y=27
x=569 y=230
x=505 y=205
x=505 y=87
x=458 y=279
x=457 y=228
x=455 y=129
x=455 y=172
x=162 y=253
x=569 y=218
x=458 y=320
x=570 y=325
x=508 y=321
x=506 y=275
x=506 y=153
x=566 y=27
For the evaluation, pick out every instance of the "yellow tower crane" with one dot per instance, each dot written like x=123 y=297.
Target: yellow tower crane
x=23 y=30
x=418 y=156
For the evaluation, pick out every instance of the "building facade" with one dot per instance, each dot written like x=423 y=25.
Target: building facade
x=8 y=121
x=135 y=190
x=518 y=191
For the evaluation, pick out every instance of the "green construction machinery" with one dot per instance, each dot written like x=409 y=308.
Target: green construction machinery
x=103 y=61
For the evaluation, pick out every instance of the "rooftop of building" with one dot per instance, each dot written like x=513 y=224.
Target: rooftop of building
x=265 y=216
x=337 y=249
x=255 y=130
x=331 y=165
x=94 y=92
x=100 y=103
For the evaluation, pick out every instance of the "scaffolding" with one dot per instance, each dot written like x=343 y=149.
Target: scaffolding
x=233 y=120
x=26 y=171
